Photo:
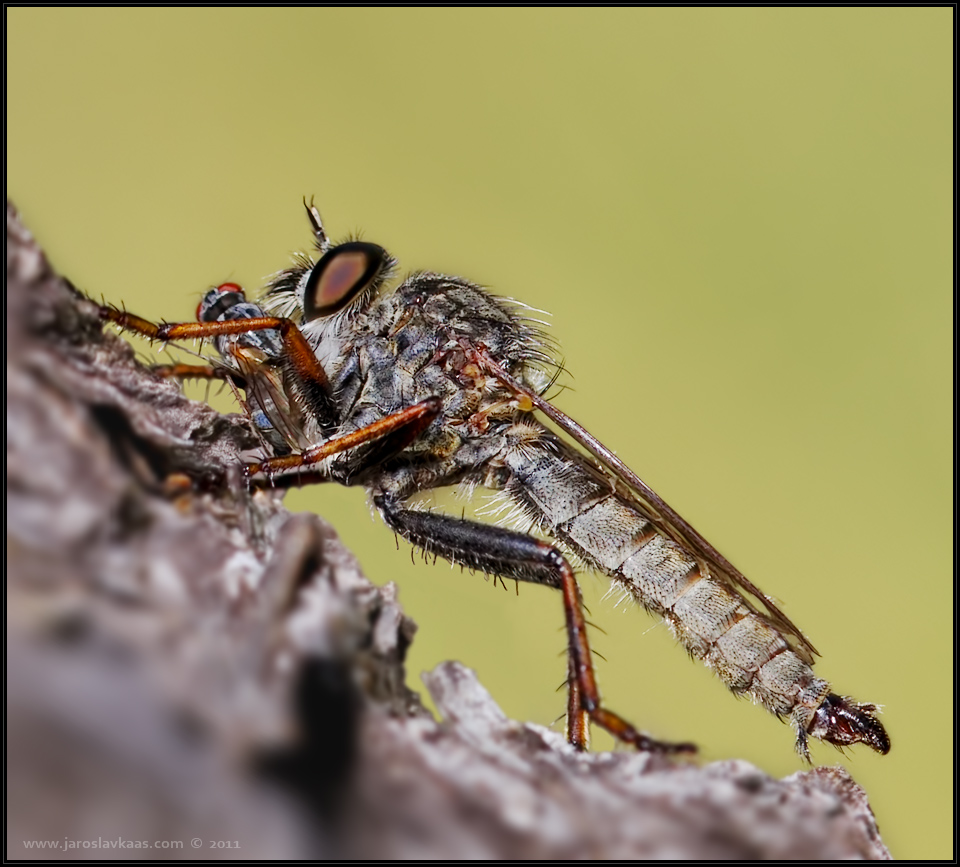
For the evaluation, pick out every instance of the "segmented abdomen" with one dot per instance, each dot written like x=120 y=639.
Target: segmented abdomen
x=576 y=504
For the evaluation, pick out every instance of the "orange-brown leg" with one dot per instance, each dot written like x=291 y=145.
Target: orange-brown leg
x=578 y=720
x=192 y=371
x=393 y=432
x=301 y=358
x=586 y=698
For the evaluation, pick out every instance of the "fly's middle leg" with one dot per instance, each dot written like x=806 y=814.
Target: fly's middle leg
x=525 y=558
x=386 y=436
x=194 y=371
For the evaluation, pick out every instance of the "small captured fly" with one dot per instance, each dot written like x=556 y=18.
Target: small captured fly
x=437 y=382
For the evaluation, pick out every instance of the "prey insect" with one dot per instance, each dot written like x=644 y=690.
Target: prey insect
x=438 y=382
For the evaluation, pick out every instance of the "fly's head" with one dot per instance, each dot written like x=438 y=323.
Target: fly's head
x=228 y=302
x=841 y=721
x=323 y=293
x=218 y=300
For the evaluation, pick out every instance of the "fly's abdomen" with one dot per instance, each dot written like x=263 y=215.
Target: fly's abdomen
x=576 y=504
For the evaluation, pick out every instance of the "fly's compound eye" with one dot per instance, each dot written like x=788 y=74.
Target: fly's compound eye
x=341 y=275
x=218 y=300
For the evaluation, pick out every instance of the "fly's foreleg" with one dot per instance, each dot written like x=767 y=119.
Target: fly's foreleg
x=300 y=357
x=525 y=558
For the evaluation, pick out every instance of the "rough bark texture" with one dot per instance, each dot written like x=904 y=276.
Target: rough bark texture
x=188 y=662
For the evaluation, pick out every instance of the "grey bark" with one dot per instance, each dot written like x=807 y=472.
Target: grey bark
x=187 y=661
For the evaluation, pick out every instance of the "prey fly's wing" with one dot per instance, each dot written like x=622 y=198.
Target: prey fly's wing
x=268 y=392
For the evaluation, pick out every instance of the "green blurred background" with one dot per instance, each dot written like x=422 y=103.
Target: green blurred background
x=741 y=221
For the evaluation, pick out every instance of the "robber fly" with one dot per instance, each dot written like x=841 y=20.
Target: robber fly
x=438 y=383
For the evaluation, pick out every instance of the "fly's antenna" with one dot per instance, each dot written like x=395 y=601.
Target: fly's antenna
x=313 y=215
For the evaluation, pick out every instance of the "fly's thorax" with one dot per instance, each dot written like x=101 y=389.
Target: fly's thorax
x=384 y=352
x=420 y=342
x=466 y=313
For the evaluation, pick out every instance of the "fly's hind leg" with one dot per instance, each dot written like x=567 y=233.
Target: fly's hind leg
x=525 y=558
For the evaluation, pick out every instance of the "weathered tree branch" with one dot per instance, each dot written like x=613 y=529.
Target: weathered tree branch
x=188 y=661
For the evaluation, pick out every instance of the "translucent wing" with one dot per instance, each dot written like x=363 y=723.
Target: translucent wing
x=268 y=393
x=664 y=517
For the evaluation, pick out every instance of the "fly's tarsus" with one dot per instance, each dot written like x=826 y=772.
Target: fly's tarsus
x=194 y=371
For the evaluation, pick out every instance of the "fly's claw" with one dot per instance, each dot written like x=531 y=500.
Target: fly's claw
x=248 y=471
